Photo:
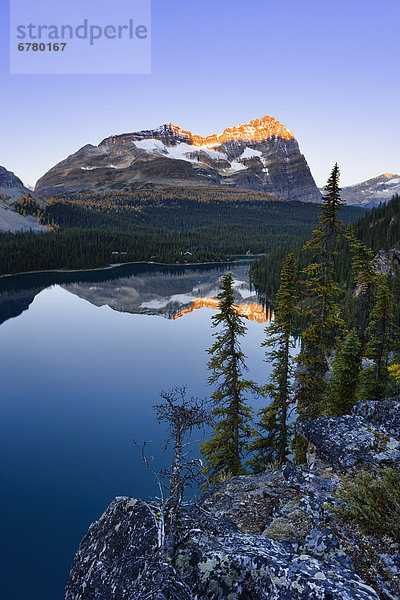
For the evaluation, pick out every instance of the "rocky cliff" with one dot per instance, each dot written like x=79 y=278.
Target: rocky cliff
x=387 y=261
x=268 y=536
x=260 y=155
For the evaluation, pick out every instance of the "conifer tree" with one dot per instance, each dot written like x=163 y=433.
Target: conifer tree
x=341 y=393
x=394 y=371
x=379 y=343
x=321 y=311
x=364 y=278
x=223 y=453
x=271 y=443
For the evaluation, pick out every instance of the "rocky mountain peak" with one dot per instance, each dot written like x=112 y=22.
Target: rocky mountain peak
x=9 y=180
x=260 y=155
x=256 y=130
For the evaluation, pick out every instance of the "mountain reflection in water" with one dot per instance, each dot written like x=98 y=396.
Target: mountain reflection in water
x=169 y=292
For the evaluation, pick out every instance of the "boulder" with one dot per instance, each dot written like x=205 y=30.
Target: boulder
x=369 y=436
x=215 y=560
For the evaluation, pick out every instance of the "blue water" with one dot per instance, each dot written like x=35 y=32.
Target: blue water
x=78 y=385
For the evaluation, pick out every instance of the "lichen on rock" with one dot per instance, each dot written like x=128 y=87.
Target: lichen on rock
x=270 y=536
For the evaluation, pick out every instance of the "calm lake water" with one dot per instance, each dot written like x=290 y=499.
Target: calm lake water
x=83 y=358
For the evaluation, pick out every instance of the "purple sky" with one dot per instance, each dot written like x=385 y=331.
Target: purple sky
x=330 y=71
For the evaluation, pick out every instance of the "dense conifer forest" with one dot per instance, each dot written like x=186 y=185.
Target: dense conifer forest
x=164 y=225
x=378 y=229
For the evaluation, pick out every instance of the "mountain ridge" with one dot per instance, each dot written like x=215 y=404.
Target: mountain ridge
x=261 y=155
x=372 y=192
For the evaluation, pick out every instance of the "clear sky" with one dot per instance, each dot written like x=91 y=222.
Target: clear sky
x=330 y=71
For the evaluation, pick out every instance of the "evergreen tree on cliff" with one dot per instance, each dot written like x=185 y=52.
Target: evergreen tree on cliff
x=342 y=388
x=223 y=453
x=319 y=309
x=271 y=443
x=365 y=280
x=379 y=343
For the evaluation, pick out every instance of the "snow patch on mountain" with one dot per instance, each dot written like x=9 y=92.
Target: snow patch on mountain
x=188 y=152
x=151 y=145
x=101 y=167
x=237 y=166
x=181 y=151
x=251 y=153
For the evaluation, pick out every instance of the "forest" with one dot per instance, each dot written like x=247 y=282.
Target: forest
x=378 y=229
x=163 y=225
x=350 y=341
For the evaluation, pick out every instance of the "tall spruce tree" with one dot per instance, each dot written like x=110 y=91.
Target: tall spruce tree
x=319 y=309
x=223 y=453
x=341 y=392
x=365 y=280
x=271 y=442
x=379 y=343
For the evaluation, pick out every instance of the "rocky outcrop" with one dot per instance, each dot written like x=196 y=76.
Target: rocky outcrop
x=267 y=536
x=261 y=155
x=370 y=436
x=216 y=559
x=387 y=261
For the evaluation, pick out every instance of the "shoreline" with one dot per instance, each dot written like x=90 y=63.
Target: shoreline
x=136 y=262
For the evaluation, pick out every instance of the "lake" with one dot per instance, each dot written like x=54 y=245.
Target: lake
x=83 y=359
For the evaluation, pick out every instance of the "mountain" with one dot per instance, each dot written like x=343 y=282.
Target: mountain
x=260 y=155
x=373 y=191
x=11 y=188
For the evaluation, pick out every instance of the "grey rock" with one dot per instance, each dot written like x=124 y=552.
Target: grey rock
x=216 y=560
x=354 y=439
x=387 y=261
x=9 y=180
x=257 y=537
x=385 y=414
x=11 y=188
x=325 y=546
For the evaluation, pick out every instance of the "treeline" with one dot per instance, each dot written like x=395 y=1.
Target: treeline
x=92 y=248
x=379 y=229
x=165 y=225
